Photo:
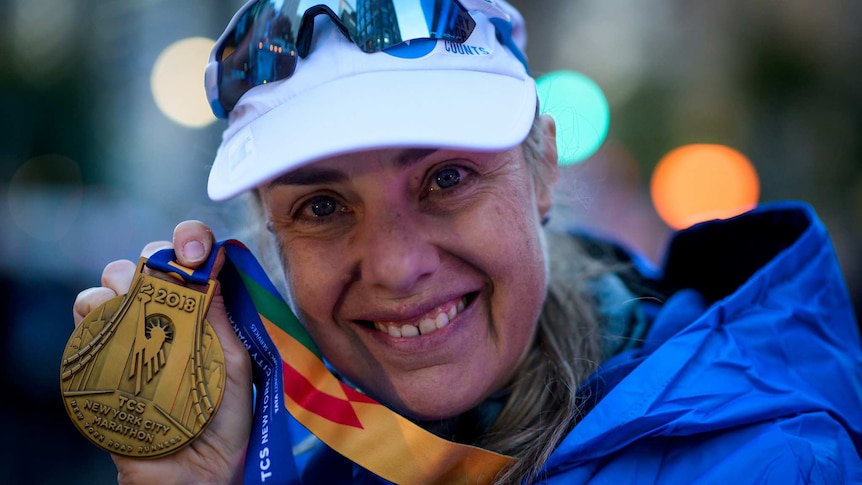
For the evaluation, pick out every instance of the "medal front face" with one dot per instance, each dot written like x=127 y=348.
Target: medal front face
x=144 y=373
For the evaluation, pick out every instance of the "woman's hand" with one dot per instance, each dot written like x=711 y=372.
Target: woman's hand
x=218 y=454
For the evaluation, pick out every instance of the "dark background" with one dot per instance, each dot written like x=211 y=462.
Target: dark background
x=90 y=168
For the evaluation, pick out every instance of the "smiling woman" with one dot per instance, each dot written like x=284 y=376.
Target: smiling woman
x=411 y=249
x=404 y=190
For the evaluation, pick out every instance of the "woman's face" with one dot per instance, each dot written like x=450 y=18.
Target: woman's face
x=420 y=274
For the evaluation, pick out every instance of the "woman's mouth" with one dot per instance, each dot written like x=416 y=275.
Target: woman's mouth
x=432 y=321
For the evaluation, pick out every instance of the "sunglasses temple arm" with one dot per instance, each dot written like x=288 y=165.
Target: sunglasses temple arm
x=502 y=22
x=504 y=35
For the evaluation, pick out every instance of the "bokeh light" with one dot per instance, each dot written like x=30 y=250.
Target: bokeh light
x=699 y=182
x=45 y=196
x=580 y=110
x=177 y=82
x=43 y=35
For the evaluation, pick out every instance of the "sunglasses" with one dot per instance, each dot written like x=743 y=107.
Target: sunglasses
x=264 y=40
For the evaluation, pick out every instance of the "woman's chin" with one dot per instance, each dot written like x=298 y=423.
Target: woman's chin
x=431 y=413
x=443 y=403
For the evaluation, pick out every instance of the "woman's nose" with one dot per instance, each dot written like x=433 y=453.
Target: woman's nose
x=396 y=251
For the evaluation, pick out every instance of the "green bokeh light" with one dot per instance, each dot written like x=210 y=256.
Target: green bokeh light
x=580 y=110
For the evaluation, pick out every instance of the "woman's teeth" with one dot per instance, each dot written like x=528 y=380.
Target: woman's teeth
x=431 y=322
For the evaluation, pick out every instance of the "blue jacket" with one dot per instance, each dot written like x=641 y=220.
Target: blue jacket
x=750 y=373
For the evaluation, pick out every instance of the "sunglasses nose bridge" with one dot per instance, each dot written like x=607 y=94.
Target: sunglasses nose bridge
x=305 y=34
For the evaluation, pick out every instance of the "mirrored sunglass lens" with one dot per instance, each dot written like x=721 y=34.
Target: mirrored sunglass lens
x=260 y=49
x=375 y=25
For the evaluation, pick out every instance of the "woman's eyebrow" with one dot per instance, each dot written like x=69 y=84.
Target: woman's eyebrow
x=310 y=175
x=413 y=155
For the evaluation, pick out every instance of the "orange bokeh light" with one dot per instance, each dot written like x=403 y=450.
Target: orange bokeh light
x=696 y=183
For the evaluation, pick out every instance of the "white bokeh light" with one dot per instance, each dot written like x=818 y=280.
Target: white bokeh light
x=177 y=82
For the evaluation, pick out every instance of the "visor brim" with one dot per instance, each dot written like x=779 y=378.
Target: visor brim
x=456 y=109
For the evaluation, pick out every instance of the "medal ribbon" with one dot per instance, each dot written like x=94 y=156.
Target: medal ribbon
x=286 y=360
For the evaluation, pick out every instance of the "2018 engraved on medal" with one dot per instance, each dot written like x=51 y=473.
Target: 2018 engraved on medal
x=144 y=373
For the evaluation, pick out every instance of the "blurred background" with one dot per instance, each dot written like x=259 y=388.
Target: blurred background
x=106 y=141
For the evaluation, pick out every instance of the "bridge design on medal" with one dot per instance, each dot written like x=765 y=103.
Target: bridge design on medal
x=106 y=356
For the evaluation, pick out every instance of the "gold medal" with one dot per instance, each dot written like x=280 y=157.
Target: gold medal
x=144 y=373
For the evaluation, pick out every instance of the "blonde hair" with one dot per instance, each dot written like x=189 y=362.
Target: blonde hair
x=544 y=405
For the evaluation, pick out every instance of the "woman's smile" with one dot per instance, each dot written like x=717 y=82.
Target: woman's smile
x=430 y=322
x=454 y=323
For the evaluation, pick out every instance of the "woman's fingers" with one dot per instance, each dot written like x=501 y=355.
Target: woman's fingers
x=118 y=275
x=154 y=247
x=116 y=279
x=90 y=299
x=193 y=241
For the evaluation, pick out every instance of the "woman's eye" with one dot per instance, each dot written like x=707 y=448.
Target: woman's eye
x=447 y=178
x=321 y=206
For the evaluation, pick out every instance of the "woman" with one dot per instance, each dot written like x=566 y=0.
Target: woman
x=405 y=190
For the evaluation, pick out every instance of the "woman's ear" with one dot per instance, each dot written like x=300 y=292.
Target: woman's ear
x=548 y=171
